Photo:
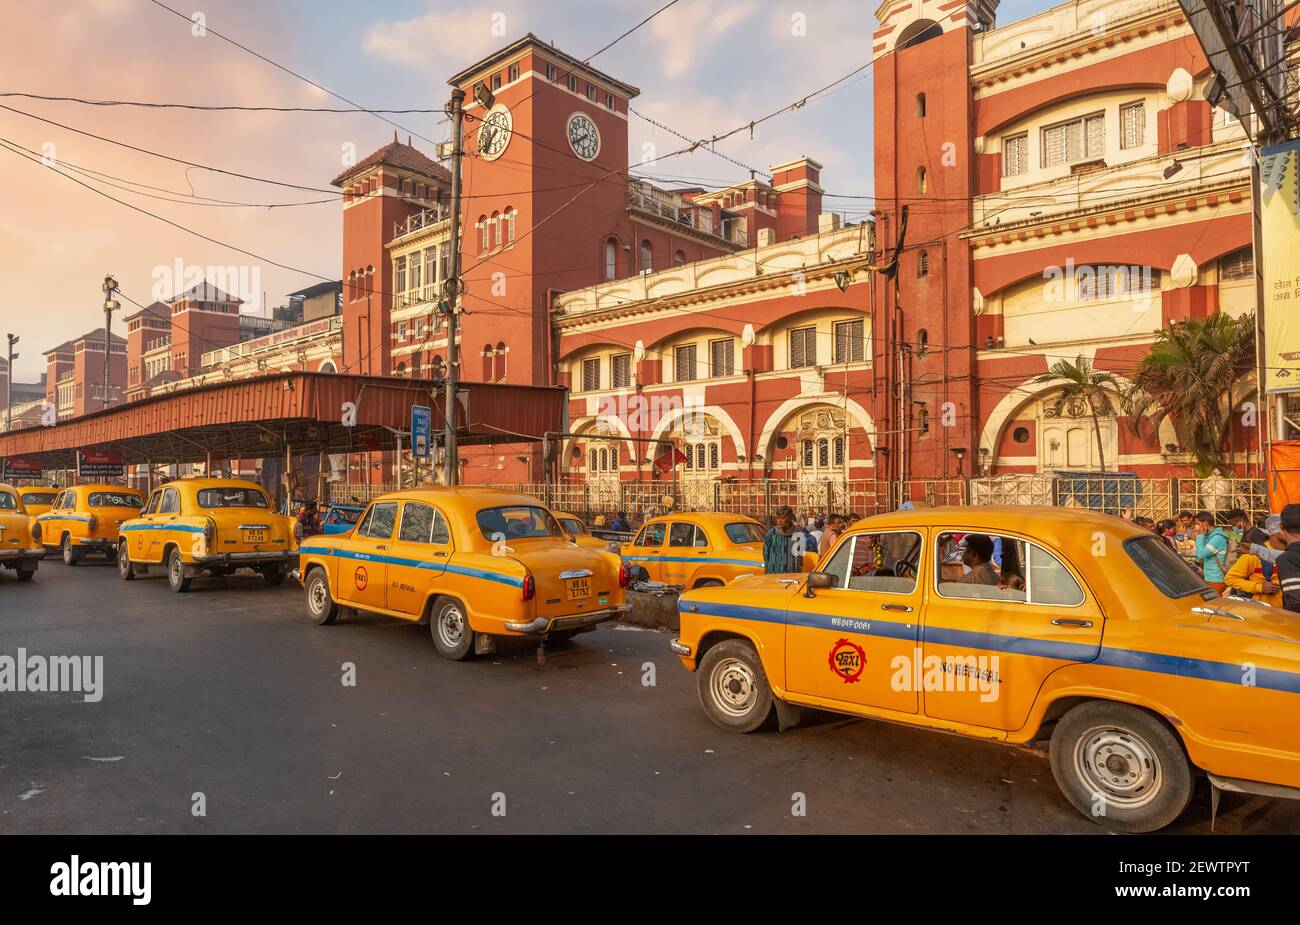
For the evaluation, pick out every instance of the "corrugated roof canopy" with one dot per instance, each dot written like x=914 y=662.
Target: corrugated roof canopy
x=260 y=417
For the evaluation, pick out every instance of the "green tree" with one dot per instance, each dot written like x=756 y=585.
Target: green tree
x=1188 y=378
x=1099 y=391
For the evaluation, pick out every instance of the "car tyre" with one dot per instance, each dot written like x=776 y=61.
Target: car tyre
x=733 y=687
x=125 y=570
x=71 y=555
x=177 y=580
x=273 y=575
x=321 y=607
x=708 y=583
x=25 y=574
x=1121 y=766
x=449 y=625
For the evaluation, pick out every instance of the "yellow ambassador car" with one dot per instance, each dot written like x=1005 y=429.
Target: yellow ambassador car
x=38 y=500
x=1033 y=626
x=472 y=562
x=85 y=519
x=207 y=525
x=18 y=549
x=700 y=549
x=578 y=531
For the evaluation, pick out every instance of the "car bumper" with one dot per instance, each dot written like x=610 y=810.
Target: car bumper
x=94 y=542
x=246 y=558
x=680 y=648
x=571 y=622
x=7 y=555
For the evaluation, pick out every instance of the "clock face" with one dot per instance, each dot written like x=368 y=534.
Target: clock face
x=494 y=133
x=584 y=137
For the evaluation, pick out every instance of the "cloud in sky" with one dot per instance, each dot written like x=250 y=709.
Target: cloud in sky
x=427 y=42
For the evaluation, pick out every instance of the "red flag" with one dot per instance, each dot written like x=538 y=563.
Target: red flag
x=666 y=461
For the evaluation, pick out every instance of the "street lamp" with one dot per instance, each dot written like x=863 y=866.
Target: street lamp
x=111 y=305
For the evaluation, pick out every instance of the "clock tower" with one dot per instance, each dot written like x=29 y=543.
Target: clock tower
x=544 y=183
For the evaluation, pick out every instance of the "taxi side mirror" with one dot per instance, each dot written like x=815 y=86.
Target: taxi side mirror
x=818 y=581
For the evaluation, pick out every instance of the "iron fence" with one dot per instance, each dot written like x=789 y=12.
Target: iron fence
x=1121 y=494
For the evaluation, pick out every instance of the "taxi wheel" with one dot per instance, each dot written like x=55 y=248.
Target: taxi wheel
x=320 y=603
x=449 y=625
x=125 y=570
x=1121 y=767
x=273 y=575
x=71 y=556
x=177 y=580
x=733 y=688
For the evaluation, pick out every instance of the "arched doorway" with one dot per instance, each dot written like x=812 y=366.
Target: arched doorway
x=811 y=450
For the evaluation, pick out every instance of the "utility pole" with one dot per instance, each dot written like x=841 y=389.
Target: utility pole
x=9 y=383
x=110 y=305
x=451 y=288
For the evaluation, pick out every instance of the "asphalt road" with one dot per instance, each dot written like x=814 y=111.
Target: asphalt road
x=228 y=692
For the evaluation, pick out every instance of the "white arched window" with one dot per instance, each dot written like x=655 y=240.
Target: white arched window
x=510 y=215
x=611 y=259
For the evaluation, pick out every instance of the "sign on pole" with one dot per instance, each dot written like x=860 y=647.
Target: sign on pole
x=421 y=431
x=100 y=464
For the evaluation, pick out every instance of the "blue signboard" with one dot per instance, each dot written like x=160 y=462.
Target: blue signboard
x=421 y=431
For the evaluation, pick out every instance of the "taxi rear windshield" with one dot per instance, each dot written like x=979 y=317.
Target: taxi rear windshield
x=742 y=533
x=115 y=499
x=516 y=522
x=39 y=497
x=8 y=502
x=1162 y=565
x=232 y=497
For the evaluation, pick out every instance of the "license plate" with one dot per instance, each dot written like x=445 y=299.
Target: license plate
x=579 y=588
x=254 y=536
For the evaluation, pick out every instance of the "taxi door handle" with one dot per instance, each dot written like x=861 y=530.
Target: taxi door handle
x=440 y=554
x=902 y=607
x=381 y=547
x=1083 y=623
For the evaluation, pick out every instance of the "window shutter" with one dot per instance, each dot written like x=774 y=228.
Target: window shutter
x=684 y=363
x=723 y=358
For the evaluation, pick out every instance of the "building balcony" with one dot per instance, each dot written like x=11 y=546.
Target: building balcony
x=1200 y=170
x=648 y=201
x=158 y=343
x=420 y=221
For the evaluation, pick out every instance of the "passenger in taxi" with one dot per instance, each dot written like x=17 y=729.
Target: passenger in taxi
x=978 y=557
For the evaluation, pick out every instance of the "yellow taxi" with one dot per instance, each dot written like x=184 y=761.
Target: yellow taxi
x=38 y=500
x=474 y=563
x=18 y=548
x=1038 y=627
x=85 y=519
x=578 y=532
x=700 y=549
x=208 y=525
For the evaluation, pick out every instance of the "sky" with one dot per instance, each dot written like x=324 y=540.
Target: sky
x=703 y=66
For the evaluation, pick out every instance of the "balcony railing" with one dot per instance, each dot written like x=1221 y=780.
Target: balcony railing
x=414 y=297
x=164 y=341
x=650 y=200
x=426 y=218
x=312 y=329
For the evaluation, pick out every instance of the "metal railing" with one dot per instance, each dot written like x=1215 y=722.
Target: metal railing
x=1118 y=494
x=425 y=218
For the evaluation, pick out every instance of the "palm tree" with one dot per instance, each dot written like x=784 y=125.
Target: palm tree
x=1188 y=378
x=1097 y=389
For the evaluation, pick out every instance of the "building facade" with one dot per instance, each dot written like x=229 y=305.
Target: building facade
x=1070 y=192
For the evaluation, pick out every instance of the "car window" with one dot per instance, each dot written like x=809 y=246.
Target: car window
x=1163 y=567
x=423 y=524
x=652 y=535
x=572 y=525
x=744 y=533
x=8 y=502
x=114 y=499
x=880 y=562
x=232 y=497
x=993 y=567
x=154 y=501
x=69 y=501
x=171 y=502
x=36 y=497
x=515 y=522
x=379 y=521
x=681 y=534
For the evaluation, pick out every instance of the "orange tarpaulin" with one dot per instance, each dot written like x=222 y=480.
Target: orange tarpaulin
x=1284 y=474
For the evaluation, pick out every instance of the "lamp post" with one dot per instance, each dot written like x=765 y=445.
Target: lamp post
x=9 y=383
x=110 y=305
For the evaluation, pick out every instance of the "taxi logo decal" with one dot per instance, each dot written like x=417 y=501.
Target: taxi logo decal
x=847 y=660
x=361 y=578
